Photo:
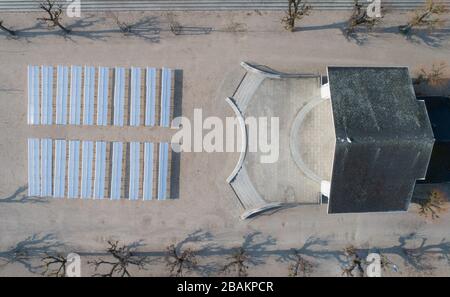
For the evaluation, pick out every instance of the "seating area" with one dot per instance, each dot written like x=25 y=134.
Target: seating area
x=102 y=96
x=98 y=169
x=86 y=95
x=242 y=179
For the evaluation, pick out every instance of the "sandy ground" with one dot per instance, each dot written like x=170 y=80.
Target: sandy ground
x=206 y=204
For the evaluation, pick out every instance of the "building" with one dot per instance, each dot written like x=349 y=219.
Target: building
x=358 y=139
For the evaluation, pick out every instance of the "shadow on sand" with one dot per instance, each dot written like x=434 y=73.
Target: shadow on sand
x=413 y=249
x=19 y=196
x=146 y=28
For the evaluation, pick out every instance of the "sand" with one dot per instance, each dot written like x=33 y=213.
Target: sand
x=206 y=203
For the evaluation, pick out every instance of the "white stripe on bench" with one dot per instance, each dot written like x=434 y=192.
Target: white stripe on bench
x=133 y=190
x=73 y=169
x=34 y=182
x=75 y=95
x=119 y=96
x=33 y=95
x=59 y=176
x=166 y=83
x=87 y=157
x=102 y=96
x=150 y=95
x=147 y=189
x=62 y=89
x=46 y=167
x=116 y=174
x=135 y=96
x=46 y=95
x=88 y=95
x=100 y=169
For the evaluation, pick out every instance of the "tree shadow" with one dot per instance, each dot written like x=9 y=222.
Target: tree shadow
x=434 y=38
x=255 y=244
x=83 y=23
x=336 y=25
x=417 y=256
x=413 y=255
x=309 y=249
x=146 y=28
x=359 y=35
x=414 y=250
x=27 y=250
x=195 y=237
x=208 y=247
x=19 y=196
x=40 y=29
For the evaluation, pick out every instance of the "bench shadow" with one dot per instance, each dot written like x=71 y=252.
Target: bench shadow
x=191 y=30
x=175 y=166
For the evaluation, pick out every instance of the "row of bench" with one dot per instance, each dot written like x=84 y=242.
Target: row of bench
x=98 y=169
x=78 y=95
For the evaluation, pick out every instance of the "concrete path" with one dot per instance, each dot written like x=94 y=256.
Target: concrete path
x=205 y=5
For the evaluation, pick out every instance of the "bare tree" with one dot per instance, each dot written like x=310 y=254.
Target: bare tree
x=301 y=266
x=433 y=77
x=174 y=25
x=354 y=262
x=54 y=11
x=123 y=27
x=359 y=18
x=297 y=9
x=386 y=263
x=178 y=262
x=50 y=261
x=237 y=263
x=7 y=30
x=123 y=257
x=432 y=205
x=427 y=17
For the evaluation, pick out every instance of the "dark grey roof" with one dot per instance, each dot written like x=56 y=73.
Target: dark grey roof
x=383 y=139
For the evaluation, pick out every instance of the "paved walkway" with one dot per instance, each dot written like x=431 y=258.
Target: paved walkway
x=207 y=5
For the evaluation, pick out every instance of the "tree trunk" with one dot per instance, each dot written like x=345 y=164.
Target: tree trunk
x=66 y=30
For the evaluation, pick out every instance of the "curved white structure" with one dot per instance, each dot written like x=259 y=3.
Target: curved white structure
x=295 y=152
x=252 y=202
x=243 y=139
